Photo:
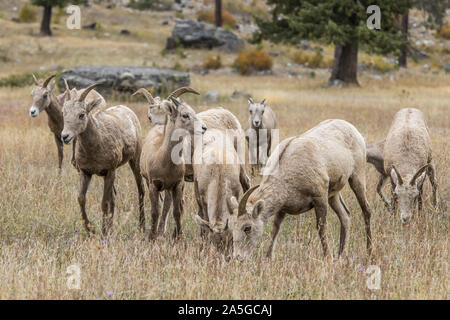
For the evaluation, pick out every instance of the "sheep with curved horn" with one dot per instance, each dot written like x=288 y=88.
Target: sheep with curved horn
x=408 y=160
x=106 y=140
x=304 y=172
x=44 y=99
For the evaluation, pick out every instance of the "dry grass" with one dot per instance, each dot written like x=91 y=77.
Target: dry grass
x=41 y=231
x=40 y=224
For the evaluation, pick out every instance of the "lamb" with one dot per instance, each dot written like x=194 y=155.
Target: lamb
x=408 y=159
x=304 y=172
x=375 y=157
x=106 y=140
x=160 y=170
x=261 y=122
x=44 y=99
x=216 y=178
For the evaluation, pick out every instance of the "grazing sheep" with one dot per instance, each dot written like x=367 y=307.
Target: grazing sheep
x=408 y=159
x=159 y=168
x=44 y=99
x=106 y=140
x=216 y=178
x=261 y=122
x=375 y=156
x=304 y=172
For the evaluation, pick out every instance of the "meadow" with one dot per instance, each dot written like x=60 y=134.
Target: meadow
x=41 y=232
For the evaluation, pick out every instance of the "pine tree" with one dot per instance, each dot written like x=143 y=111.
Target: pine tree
x=47 y=14
x=340 y=22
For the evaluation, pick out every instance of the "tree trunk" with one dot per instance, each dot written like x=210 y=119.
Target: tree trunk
x=345 y=64
x=218 y=13
x=402 y=60
x=45 y=24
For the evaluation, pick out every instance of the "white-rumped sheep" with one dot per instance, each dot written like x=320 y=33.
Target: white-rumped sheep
x=304 y=172
x=44 y=99
x=106 y=140
x=408 y=159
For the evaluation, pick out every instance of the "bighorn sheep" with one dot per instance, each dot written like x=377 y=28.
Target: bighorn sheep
x=157 y=115
x=158 y=167
x=216 y=178
x=408 y=159
x=261 y=122
x=375 y=157
x=106 y=140
x=304 y=172
x=44 y=99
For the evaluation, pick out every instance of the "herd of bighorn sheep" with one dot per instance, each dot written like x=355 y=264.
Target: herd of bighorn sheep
x=302 y=172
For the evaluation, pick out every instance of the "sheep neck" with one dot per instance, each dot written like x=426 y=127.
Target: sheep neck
x=168 y=143
x=55 y=117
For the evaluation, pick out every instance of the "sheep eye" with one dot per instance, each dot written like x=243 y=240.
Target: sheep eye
x=247 y=229
x=185 y=116
x=81 y=116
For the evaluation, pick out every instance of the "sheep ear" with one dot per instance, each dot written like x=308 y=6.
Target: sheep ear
x=419 y=176
x=52 y=86
x=201 y=222
x=257 y=209
x=92 y=104
x=395 y=176
x=250 y=101
x=173 y=107
x=263 y=102
x=232 y=204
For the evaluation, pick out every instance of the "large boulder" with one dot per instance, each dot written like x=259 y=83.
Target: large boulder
x=194 y=34
x=124 y=78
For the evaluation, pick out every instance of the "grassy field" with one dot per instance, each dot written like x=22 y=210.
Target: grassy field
x=41 y=233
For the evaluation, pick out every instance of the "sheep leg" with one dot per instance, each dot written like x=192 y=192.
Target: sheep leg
x=141 y=192
x=60 y=146
x=107 y=202
x=358 y=185
x=344 y=219
x=154 y=199
x=321 y=207
x=198 y=198
x=279 y=217
x=165 y=213
x=74 y=163
x=434 y=184
x=85 y=179
x=394 y=198
x=381 y=181
x=420 y=199
x=177 y=199
x=244 y=179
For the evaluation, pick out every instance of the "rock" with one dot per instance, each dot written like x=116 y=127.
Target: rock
x=14 y=19
x=194 y=34
x=304 y=44
x=164 y=22
x=124 y=78
x=211 y=96
x=377 y=77
x=91 y=26
x=237 y=94
x=125 y=32
x=426 y=66
x=447 y=67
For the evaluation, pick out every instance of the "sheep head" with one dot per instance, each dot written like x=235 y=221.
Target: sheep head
x=407 y=192
x=76 y=112
x=183 y=116
x=256 y=111
x=246 y=224
x=156 y=113
x=41 y=95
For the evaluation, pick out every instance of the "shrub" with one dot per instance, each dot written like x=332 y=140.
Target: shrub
x=315 y=60
x=27 y=13
x=252 y=60
x=209 y=16
x=445 y=32
x=212 y=62
x=381 y=65
x=25 y=79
